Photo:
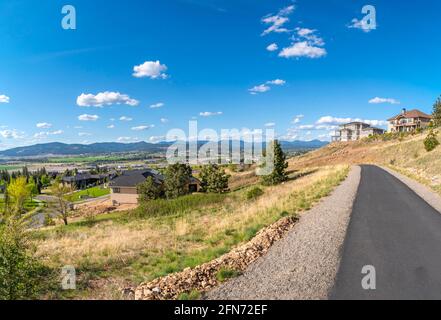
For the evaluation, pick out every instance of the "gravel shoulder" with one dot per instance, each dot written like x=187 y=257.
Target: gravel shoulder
x=304 y=264
x=430 y=196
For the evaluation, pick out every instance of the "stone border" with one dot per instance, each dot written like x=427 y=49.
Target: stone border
x=203 y=278
x=425 y=192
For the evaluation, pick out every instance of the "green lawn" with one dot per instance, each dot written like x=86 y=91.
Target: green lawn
x=94 y=192
x=29 y=205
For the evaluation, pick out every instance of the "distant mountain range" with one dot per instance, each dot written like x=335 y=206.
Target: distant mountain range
x=62 y=149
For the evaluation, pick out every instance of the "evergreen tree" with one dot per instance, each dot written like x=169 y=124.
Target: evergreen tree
x=437 y=112
x=214 y=179
x=149 y=190
x=177 y=178
x=278 y=174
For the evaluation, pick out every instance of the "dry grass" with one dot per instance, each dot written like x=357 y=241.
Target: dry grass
x=136 y=250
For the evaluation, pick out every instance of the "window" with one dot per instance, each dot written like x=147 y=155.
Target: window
x=116 y=190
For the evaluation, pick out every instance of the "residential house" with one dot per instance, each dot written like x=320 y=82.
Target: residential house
x=408 y=121
x=354 y=131
x=82 y=181
x=124 y=188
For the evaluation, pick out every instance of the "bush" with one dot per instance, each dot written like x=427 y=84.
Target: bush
x=225 y=274
x=254 y=193
x=177 y=177
x=431 y=142
x=149 y=190
x=18 y=269
x=214 y=179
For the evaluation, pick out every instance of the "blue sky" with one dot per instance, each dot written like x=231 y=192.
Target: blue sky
x=304 y=66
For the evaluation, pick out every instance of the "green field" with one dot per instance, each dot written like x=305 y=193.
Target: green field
x=94 y=192
x=10 y=167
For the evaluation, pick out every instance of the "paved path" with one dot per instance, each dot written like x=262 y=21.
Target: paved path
x=304 y=264
x=398 y=233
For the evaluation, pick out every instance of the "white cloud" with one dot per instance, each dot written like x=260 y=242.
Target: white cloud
x=143 y=128
x=84 y=134
x=4 y=98
x=42 y=135
x=11 y=134
x=378 y=100
x=298 y=118
x=259 y=89
x=303 y=49
x=270 y=124
x=111 y=126
x=44 y=125
x=88 y=117
x=277 y=82
x=276 y=22
x=127 y=139
x=124 y=118
x=329 y=120
x=150 y=69
x=105 y=99
x=164 y=120
x=156 y=139
x=210 y=114
x=272 y=47
x=157 y=105
x=360 y=24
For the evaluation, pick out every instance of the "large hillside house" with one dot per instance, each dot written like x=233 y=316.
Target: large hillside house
x=82 y=181
x=408 y=121
x=124 y=188
x=354 y=131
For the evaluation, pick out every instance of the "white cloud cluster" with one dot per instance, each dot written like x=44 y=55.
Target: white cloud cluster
x=360 y=24
x=330 y=120
x=150 y=69
x=105 y=99
x=42 y=135
x=164 y=120
x=378 y=100
x=210 y=114
x=298 y=118
x=156 y=139
x=157 y=105
x=276 y=23
x=126 y=119
x=306 y=44
x=143 y=128
x=44 y=125
x=84 y=134
x=262 y=88
x=4 y=98
x=272 y=47
x=88 y=117
x=127 y=139
x=11 y=134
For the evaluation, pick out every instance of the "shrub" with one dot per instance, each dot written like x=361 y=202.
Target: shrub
x=177 y=177
x=254 y=193
x=149 y=190
x=278 y=175
x=193 y=295
x=18 y=269
x=431 y=142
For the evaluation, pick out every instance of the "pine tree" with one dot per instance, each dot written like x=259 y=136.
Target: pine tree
x=437 y=112
x=177 y=178
x=214 y=179
x=279 y=174
x=149 y=190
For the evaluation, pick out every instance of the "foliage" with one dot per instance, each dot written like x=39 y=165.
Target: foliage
x=437 y=113
x=193 y=295
x=431 y=142
x=149 y=190
x=225 y=274
x=18 y=269
x=18 y=192
x=254 y=193
x=177 y=178
x=278 y=174
x=214 y=179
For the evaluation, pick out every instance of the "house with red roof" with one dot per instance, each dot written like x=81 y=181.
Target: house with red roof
x=408 y=121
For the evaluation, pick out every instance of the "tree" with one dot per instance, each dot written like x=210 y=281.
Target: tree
x=18 y=268
x=62 y=206
x=437 y=112
x=18 y=192
x=177 y=178
x=214 y=179
x=33 y=188
x=149 y=190
x=278 y=174
x=431 y=142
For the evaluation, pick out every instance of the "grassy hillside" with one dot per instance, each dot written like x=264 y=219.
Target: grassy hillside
x=124 y=249
x=404 y=154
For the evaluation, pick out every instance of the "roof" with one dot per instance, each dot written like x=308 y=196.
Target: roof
x=132 y=178
x=85 y=176
x=412 y=114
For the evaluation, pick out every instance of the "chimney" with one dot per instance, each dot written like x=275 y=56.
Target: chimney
x=403 y=111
